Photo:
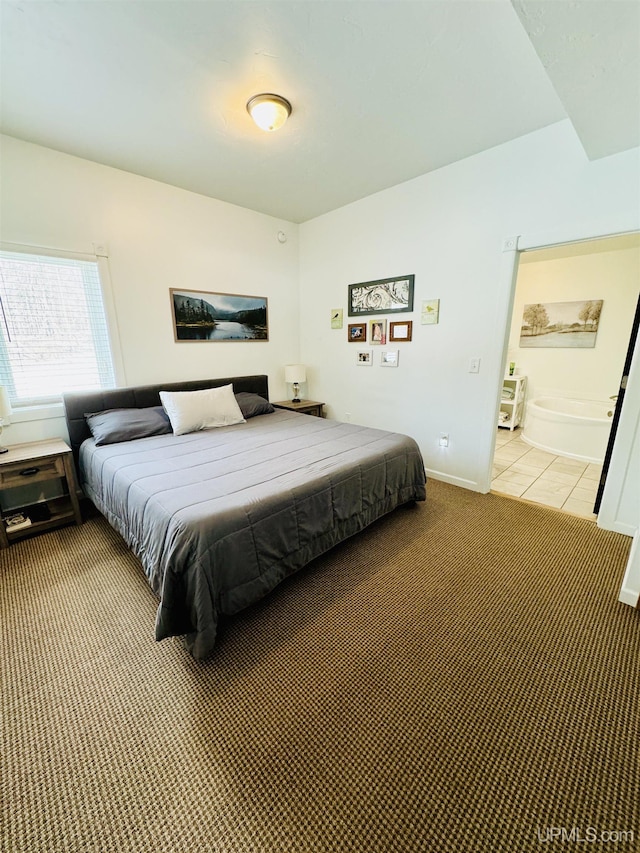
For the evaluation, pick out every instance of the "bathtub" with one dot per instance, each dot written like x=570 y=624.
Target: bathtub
x=578 y=429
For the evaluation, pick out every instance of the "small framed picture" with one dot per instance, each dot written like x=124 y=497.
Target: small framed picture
x=336 y=318
x=364 y=357
x=430 y=312
x=400 y=331
x=378 y=331
x=357 y=333
x=389 y=358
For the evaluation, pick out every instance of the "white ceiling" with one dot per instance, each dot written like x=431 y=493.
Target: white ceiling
x=381 y=91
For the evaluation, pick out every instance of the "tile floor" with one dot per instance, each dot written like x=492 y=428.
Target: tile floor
x=523 y=471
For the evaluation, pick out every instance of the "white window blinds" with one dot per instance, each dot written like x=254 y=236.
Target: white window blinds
x=53 y=328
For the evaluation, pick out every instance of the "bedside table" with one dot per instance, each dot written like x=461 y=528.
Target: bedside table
x=37 y=462
x=305 y=407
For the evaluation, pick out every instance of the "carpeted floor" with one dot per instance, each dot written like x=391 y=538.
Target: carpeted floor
x=460 y=677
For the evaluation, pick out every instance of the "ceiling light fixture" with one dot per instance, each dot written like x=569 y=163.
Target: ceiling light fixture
x=268 y=111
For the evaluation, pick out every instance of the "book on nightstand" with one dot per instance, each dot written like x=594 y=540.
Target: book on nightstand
x=17 y=521
x=25 y=516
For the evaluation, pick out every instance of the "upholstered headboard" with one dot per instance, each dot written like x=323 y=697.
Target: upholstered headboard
x=77 y=404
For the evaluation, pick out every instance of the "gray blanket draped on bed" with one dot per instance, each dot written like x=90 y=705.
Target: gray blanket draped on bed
x=218 y=518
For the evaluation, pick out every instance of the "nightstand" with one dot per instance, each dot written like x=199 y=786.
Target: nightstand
x=36 y=462
x=305 y=407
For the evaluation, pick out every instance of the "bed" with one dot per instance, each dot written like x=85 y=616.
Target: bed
x=219 y=517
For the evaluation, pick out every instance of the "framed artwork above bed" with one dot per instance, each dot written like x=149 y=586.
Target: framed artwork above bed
x=203 y=315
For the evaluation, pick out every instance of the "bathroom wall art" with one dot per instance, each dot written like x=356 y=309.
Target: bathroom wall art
x=561 y=324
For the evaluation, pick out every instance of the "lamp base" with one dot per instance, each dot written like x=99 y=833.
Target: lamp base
x=296 y=400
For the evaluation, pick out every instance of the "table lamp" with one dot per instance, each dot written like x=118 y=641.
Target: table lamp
x=295 y=374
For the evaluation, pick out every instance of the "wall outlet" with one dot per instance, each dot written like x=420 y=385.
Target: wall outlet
x=347 y=417
x=474 y=365
x=444 y=439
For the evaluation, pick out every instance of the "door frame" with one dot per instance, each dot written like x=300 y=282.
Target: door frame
x=512 y=248
x=617 y=407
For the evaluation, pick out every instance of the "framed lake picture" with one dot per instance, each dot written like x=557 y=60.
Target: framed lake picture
x=561 y=324
x=385 y=296
x=203 y=315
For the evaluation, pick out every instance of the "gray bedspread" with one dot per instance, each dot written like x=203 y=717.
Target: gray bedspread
x=218 y=518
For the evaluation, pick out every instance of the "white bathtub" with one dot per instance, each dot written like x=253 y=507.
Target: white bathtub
x=578 y=429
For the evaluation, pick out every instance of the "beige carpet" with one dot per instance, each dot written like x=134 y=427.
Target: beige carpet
x=460 y=677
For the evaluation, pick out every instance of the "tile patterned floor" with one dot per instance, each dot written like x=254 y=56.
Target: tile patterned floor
x=523 y=471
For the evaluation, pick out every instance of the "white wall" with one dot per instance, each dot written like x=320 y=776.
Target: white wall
x=590 y=373
x=157 y=237
x=449 y=228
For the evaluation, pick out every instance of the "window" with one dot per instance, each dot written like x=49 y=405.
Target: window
x=53 y=328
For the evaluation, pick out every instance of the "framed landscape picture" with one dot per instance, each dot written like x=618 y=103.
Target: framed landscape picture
x=203 y=315
x=385 y=296
x=561 y=324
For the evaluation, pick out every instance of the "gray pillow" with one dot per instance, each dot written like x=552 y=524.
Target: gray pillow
x=253 y=404
x=114 y=425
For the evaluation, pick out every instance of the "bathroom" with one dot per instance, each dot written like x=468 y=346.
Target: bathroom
x=555 y=457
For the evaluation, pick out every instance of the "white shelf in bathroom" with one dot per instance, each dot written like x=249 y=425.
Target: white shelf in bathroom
x=514 y=407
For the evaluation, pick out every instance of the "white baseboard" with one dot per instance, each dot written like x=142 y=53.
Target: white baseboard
x=617 y=527
x=453 y=481
x=629 y=596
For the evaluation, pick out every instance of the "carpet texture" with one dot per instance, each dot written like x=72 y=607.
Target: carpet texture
x=459 y=677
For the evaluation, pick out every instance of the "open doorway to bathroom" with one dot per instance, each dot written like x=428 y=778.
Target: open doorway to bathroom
x=551 y=449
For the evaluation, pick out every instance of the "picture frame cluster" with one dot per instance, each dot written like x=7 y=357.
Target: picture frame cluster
x=381 y=297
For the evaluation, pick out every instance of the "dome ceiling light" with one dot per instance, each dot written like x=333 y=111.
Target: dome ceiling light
x=269 y=111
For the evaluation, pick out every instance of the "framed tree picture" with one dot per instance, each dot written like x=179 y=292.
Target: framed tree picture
x=572 y=325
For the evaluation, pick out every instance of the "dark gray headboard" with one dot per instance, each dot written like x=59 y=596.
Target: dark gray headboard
x=77 y=404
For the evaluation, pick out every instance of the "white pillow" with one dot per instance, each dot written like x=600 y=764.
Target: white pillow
x=189 y=411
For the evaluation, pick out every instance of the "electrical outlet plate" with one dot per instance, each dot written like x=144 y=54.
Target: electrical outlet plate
x=474 y=364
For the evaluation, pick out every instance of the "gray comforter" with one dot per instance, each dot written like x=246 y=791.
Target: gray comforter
x=218 y=518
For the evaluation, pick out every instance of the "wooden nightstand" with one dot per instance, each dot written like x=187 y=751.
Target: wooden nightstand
x=36 y=462
x=305 y=407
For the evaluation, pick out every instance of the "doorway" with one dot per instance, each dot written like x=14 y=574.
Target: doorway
x=606 y=269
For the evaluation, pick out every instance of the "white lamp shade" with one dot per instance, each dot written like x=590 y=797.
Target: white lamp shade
x=269 y=112
x=295 y=373
x=5 y=405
